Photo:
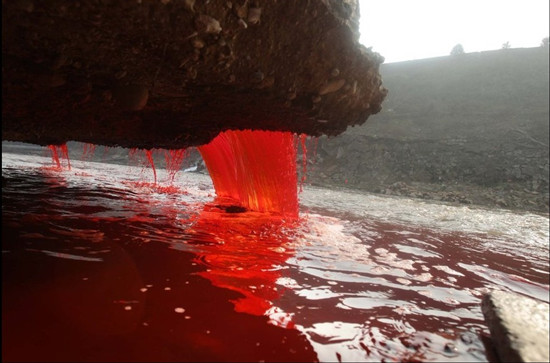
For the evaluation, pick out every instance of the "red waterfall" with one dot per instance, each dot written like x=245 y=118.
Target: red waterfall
x=256 y=168
x=55 y=155
x=60 y=149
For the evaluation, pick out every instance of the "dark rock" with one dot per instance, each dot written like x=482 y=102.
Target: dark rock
x=235 y=209
x=467 y=337
x=201 y=67
x=450 y=348
x=131 y=97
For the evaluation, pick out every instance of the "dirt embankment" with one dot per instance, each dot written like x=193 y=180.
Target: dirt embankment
x=471 y=129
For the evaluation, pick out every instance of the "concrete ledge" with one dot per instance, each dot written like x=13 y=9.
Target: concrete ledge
x=519 y=326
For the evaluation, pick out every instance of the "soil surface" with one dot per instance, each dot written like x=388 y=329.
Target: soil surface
x=470 y=129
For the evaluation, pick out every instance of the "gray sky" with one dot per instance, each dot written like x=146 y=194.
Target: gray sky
x=412 y=29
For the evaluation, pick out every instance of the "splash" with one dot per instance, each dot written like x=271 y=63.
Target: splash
x=60 y=149
x=174 y=160
x=255 y=168
x=132 y=154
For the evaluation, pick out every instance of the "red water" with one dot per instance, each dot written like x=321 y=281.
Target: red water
x=133 y=154
x=149 y=155
x=55 y=155
x=65 y=153
x=227 y=261
x=257 y=169
x=96 y=270
x=303 y=139
x=174 y=161
x=60 y=149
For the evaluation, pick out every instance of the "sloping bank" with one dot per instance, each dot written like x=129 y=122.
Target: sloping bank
x=469 y=129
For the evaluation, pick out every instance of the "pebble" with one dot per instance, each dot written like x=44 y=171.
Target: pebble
x=198 y=43
x=241 y=11
x=331 y=87
x=189 y=5
x=207 y=24
x=450 y=348
x=243 y=24
x=257 y=77
x=466 y=338
x=57 y=80
x=131 y=97
x=254 y=15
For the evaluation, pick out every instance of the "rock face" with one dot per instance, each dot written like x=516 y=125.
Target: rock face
x=173 y=74
x=519 y=326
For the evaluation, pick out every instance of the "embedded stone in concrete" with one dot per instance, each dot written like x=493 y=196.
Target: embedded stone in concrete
x=519 y=326
x=173 y=74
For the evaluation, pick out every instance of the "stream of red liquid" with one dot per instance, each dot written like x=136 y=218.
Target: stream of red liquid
x=65 y=153
x=174 y=160
x=303 y=139
x=55 y=156
x=60 y=149
x=149 y=155
x=255 y=168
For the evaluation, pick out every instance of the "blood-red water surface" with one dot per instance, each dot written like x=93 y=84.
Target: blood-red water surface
x=97 y=267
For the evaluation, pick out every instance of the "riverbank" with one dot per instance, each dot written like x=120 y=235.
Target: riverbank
x=509 y=197
x=472 y=129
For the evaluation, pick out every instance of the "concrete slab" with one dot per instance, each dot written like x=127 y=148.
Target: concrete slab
x=519 y=326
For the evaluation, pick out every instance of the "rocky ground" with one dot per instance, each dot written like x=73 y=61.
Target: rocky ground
x=456 y=177
x=508 y=197
x=469 y=130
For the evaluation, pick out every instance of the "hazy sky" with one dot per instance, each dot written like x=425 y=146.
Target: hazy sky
x=412 y=29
